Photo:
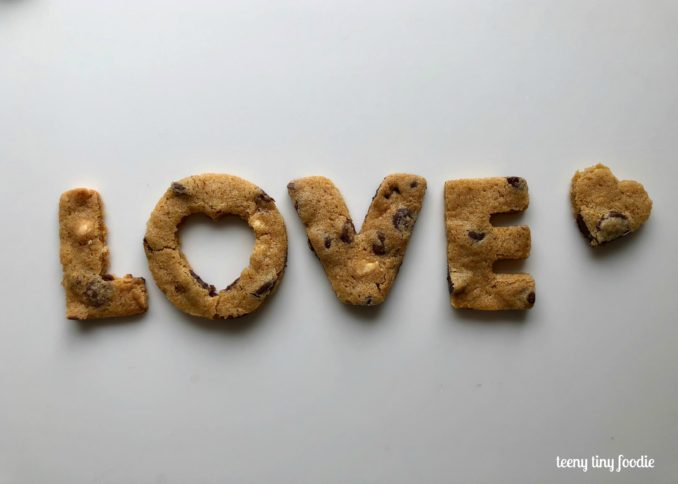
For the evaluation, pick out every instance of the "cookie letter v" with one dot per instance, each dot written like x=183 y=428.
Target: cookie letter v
x=360 y=266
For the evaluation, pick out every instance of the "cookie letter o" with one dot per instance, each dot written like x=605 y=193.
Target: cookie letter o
x=474 y=245
x=216 y=195
x=360 y=266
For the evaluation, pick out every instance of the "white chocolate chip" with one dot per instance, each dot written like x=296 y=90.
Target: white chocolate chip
x=258 y=224
x=363 y=268
x=84 y=230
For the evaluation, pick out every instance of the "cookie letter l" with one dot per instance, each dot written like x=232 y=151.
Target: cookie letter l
x=474 y=245
x=90 y=292
x=360 y=266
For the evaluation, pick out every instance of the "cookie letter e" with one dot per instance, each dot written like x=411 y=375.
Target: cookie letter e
x=91 y=292
x=360 y=266
x=216 y=195
x=474 y=245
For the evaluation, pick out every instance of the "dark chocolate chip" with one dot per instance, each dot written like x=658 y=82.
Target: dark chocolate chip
x=265 y=288
x=391 y=190
x=414 y=184
x=227 y=317
x=179 y=189
x=609 y=215
x=379 y=248
x=450 y=284
x=368 y=301
x=583 y=228
x=263 y=198
x=614 y=214
x=516 y=182
x=310 y=246
x=609 y=231
x=98 y=292
x=328 y=242
x=107 y=277
x=477 y=236
x=179 y=289
x=531 y=298
x=403 y=219
x=211 y=290
x=347 y=231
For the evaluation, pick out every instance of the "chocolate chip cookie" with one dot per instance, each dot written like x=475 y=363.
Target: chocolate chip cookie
x=474 y=244
x=91 y=292
x=216 y=195
x=605 y=208
x=360 y=266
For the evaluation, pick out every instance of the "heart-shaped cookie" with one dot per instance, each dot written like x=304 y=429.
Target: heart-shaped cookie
x=606 y=208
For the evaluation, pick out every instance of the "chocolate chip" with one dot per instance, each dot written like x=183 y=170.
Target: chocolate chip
x=232 y=284
x=583 y=228
x=263 y=198
x=91 y=294
x=611 y=226
x=368 y=301
x=379 y=248
x=609 y=215
x=265 y=288
x=531 y=298
x=414 y=184
x=227 y=317
x=178 y=188
x=347 y=231
x=477 y=236
x=107 y=277
x=516 y=182
x=179 y=289
x=328 y=242
x=403 y=219
x=211 y=290
x=310 y=246
x=197 y=278
x=98 y=292
x=391 y=189
x=450 y=284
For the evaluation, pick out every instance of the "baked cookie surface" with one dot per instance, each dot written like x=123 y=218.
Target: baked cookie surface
x=360 y=266
x=605 y=208
x=91 y=292
x=474 y=244
x=216 y=195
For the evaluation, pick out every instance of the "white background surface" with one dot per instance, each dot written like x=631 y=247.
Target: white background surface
x=125 y=97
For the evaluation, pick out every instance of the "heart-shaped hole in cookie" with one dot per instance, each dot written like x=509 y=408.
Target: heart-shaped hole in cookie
x=217 y=250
